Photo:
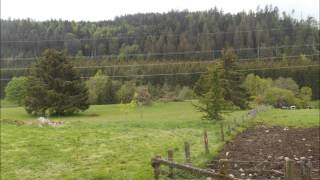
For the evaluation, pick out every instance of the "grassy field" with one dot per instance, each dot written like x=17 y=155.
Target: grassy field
x=6 y=103
x=105 y=143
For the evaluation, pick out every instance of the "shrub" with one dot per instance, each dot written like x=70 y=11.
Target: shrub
x=155 y=91
x=16 y=90
x=101 y=90
x=185 y=93
x=142 y=96
x=305 y=95
x=280 y=97
x=286 y=83
x=126 y=92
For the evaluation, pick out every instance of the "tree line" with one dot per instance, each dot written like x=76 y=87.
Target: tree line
x=175 y=31
x=153 y=38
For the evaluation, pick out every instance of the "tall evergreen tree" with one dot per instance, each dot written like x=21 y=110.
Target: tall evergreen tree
x=55 y=87
x=232 y=80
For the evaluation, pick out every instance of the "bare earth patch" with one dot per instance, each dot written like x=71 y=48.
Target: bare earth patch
x=260 y=152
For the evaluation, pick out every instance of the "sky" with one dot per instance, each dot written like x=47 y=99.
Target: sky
x=95 y=10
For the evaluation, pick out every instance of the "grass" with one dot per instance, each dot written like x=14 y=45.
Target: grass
x=300 y=118
x=105 y=143
x=6 y=103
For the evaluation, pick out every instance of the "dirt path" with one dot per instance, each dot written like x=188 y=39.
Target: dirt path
x=267 y=148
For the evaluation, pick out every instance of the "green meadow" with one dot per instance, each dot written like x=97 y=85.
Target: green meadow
x=107 y=143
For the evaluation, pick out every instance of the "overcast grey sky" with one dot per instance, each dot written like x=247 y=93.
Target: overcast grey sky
x=95 y=10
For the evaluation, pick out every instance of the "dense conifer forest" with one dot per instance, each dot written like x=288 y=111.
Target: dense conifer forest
x=266 y=38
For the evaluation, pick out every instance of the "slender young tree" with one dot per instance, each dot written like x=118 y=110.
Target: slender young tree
x=212 y=103
x=55 y=87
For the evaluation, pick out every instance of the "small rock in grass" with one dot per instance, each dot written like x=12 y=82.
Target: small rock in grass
x=310 y=157
x=297 y=159
x=227 y=153
x=242 y=174
x=269 y=157
x=279 y=140
x=241 y=170
x=231 y=175
x=309 y=150
x=286 y=129
x=302 y=158
x=267 y=131
x=303 y=139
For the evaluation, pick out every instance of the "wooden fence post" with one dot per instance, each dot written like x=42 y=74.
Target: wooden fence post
x=229 y=129
x=156 y=167
x=224 y=167
x=187 y=151
x=242 y=121
x=305 y=169
x=288 y=169
x=205 y=139
x=308 y=169
x=170 y=158
x=221 y=131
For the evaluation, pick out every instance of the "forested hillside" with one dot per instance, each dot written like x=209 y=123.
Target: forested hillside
x=172 y=48
x=164 y=33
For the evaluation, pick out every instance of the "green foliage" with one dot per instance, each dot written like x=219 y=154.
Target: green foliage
x=232 y=80
x=126 y=92
x=142 y=96
x=281 y=92
x=185 y=93
x=190 y=28
x=256 y=85
x=212 y=103
x=286 y=83
x=100 y=89
x=305 y=95
x=55 y=87
x=16 y=90
x=279 y=97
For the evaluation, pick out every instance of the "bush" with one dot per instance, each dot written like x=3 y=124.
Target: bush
x=286 y=83
x=101 y=90
x=185 y=93
x=126 y=92
x=142 y=96
x=155 y=91
x=305 y=95
x=280 y=97
x=16 y=90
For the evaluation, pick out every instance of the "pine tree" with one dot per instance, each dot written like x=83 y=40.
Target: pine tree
x=55 y=88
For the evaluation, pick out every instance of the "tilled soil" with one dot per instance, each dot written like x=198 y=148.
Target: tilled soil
x=259 y=153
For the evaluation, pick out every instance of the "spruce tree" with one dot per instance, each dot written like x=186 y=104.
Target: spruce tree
x=232 y=80
x=55 y=88
x=212 y=103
